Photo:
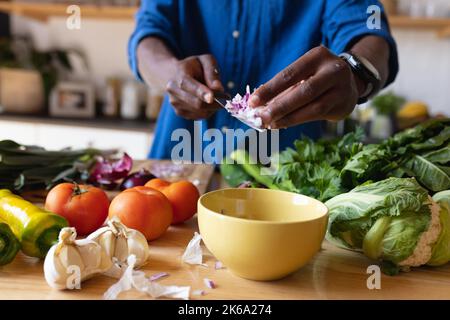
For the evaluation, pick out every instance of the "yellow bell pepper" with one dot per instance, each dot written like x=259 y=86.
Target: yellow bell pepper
x=36 y=228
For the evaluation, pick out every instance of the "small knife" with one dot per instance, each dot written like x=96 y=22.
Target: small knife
x=220 y=96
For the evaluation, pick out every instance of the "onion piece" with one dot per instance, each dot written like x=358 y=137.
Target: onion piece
x=239 y=108
x=209 y=283
x=218 y=265
x=136 y=179
x=158 y=276
x=198 y=292
x=107 y=172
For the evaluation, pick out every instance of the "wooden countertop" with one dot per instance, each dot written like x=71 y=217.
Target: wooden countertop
x=333 y=274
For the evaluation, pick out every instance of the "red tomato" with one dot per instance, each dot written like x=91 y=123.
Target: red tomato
x=85 y=207
x=143 y=209
x=183 y=196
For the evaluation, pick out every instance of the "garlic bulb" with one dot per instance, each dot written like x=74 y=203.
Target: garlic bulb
x=119 y=242
x=71 y=261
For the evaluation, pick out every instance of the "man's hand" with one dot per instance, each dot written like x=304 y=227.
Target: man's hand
x=191 y=89
x=318 y=86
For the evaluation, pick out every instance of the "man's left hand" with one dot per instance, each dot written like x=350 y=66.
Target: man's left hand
x=317 y=86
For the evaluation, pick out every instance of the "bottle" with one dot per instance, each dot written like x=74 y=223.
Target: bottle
x=112 y=99
x=130 y=107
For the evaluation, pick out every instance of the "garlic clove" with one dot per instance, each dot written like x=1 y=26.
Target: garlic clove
x=138 y=246
x=106 y=238
x=121 y=249
x=69 y=256
x=91 y=255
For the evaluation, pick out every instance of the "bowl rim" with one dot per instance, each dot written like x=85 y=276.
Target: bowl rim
x=263 y=222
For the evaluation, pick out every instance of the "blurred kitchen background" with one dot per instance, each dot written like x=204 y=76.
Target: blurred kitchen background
x=61 y=87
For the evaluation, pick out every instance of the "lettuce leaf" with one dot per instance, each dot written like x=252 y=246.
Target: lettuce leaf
x=382 y=219
x=441 y=250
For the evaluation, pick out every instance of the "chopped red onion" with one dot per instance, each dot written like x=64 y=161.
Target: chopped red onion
x=198 y=292
x=168 y=170
x=239 y=108
x=209 y=283
x=107 y=172
x=158 y=276
x=218 y=265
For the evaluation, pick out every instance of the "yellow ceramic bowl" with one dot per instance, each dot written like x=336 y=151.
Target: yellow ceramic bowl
x=261 y=234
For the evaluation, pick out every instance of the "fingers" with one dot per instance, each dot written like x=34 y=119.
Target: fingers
x=324 y=108
x=300 y=94
x=300 y=70
x=189 y=106
x=191 y=91
x=311 y=112
x=211 y=72
x=191 y=86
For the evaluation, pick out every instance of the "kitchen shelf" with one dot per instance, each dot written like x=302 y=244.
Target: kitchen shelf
x=139 y=125
x=42 y=11
x=440 y=25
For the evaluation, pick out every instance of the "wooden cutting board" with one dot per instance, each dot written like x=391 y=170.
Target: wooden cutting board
x=199 y=174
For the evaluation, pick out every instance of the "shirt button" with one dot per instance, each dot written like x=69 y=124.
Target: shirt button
x=230 y=84
x=235 y=34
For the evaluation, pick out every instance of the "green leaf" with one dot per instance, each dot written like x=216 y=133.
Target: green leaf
x=234 y=174
x=440 y=254
x=429 y=174
x=440 y=156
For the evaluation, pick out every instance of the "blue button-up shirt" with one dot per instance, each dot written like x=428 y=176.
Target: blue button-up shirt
x=252 y=41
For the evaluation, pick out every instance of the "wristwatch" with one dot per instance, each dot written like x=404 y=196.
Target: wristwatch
x=364 y=70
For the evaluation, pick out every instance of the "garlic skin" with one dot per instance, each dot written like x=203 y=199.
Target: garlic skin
x=119 y=242
x=69 y=256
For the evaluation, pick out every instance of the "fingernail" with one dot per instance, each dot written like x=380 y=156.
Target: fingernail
x=255 y=101
x=208 y=97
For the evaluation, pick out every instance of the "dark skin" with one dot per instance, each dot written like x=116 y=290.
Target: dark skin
x=317 y=86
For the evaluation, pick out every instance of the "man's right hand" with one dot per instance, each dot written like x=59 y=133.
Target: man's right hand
x=191 y=89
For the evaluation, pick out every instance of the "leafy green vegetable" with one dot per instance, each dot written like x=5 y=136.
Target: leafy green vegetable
x=383 y=219
x=421 y=152
x=234 y=174
x=428 y=173
x=256 y=171
x=311 y=168
x=387 y=103
x=34 y=167
x=441 y=250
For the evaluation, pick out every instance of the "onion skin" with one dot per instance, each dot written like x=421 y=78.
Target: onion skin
x=136 y=179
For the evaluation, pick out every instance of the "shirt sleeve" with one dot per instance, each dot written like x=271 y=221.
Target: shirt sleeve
x=157 y=18
x=346 y=21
